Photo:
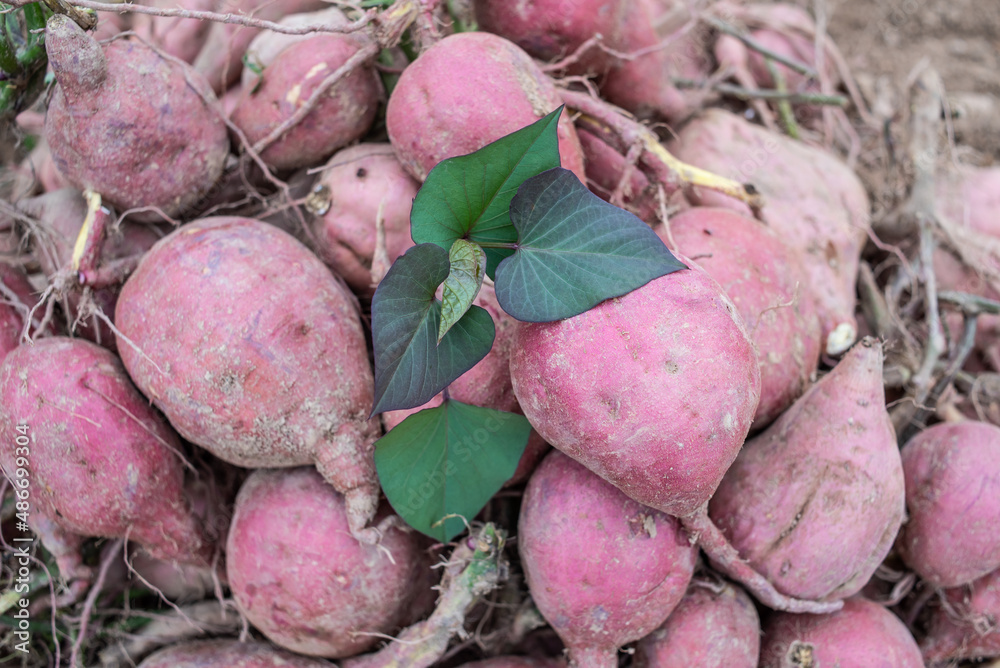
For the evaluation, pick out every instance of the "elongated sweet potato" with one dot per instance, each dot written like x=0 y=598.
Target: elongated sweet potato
x=767 y=284
x=863 y=633
x=254 y=350
x=17 y=297
x=139 y=129
x=813 y=201
x=711 y=628
x=816 y=500
x=952 y=475
x=303 y=580
x=466 y=91
x=603 y=569
x=99 y=460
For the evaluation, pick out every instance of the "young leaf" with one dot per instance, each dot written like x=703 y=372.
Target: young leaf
x=448 y=460
x=468 y=267
x=410 y=366
x=574 y=250
x=468 y=197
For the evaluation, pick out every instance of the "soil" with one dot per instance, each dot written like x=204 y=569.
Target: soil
x=885 y=41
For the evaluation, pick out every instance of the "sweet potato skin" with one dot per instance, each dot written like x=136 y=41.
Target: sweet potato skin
x=653 y=391
x=466 y=91
x=974 y=634
x=12 y=318
x=364 y=182
x=767 y=284
x=815 y=501
x=227 y=654
x=101 y=461
x=952 y=475
x=341 y=117
x=862 y=633
x=139 y=129
x=603 y=569
x=812 y=200
x=303 y=580
x=261 y=355
x=709 y=628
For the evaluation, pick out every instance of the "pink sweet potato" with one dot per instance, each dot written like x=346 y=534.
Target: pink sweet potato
x=17 y=297
x=767 y=284
x=971 y=198
x=100 y=461
x=653 y=391
x=181 y=38
x=227 y=654
x=639 y=82
x=343 y=114
x=362 y=183
x=301 y=578
x=952 y=475
x=605 y=167
x=863 y=633
x=604 y=570
x=967 y=628
x=255 y=351
x=139 y=129
x=516 y=662
x=816 y=500
x=466 y=91
x=712 y=627
x=813 y=201
x=63 y=212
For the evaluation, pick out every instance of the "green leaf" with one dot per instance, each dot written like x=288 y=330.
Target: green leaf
x=574 y=251
x=410 y=366
x=468 y=197
x=448 y=460
x=468 y=267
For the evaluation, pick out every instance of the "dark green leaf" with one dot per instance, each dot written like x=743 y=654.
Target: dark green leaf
x=448 y=460
x=468 y=268
x=410 y=366
x=469 y=196
x=574 y=251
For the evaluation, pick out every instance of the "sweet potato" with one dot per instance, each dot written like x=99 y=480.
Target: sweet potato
x=816 y=500
x=220 y=58
x=654 y=391
x=17 y=297
x=301 y=578
x=712 y=627
x=139 y=129
x=639 y=82
x=100 y=460
x=343 y=114
x=967 y=627
x=605 y=167
x=254 y=351
x=466 y=91
x=952 y=475
x=515 y=662
x=767 y=284
x=813 y=201
x=363 y=183
x=971 y=198
x=227 y=654
x=63 y=212
x=180 y=38
x=863 y=633
x=603 y=569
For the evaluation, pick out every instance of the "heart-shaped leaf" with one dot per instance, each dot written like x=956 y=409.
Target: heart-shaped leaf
x=468 y=197
x=448 y=460
x=465 y=278
x=574 y=250
x=410 y=365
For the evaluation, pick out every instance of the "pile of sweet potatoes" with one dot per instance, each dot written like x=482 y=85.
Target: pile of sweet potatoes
x=731 y=481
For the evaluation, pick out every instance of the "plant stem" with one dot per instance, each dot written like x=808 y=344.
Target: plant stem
x=784 y=106
x=767 y=93
x=801 y=68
